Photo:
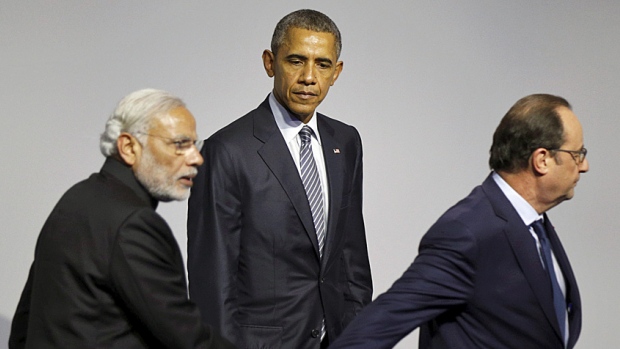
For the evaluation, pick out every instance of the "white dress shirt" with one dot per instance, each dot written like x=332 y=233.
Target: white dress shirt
x=289 y=127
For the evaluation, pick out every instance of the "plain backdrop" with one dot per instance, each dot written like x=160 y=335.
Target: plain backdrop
x=425 y=83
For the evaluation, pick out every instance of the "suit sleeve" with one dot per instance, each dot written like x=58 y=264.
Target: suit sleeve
x=441 y=278
x=19 y=326
x=213 y=233
x=355 y=250
x=146 y=269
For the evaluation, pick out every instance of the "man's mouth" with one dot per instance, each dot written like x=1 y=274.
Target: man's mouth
x=188 y=180
x=305 y=94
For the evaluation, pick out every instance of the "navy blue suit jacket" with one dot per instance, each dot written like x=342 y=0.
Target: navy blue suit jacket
x=477 y=283
x=253 y=258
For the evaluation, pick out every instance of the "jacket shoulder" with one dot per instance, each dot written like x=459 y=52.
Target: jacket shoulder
x=241 y=127
x=337 y=125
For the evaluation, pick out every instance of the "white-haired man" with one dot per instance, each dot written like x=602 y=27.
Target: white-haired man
x=108 y=272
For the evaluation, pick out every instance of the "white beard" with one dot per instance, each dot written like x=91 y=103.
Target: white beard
x=160 y=184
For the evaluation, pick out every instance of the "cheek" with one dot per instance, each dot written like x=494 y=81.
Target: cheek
x=281 y=85
x=285 y=76
x=170 y=165
x=574 y=172
x=175 y=166
x=326 y=83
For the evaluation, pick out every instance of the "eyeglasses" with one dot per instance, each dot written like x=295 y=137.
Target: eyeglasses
x=578 y=155
x=182 y=145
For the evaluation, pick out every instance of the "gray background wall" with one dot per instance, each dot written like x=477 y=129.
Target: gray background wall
x=425 y=82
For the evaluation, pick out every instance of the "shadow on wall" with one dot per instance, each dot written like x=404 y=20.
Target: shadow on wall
x=5 y=330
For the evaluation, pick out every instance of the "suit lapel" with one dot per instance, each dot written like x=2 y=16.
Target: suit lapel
x=277 y=157
x=334 y=168
x=524 y=248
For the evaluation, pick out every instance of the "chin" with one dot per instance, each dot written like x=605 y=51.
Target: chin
x=178 y=195
x=304 y=110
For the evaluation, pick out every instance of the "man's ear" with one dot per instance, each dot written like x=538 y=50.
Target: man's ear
x=540 y=161
x=337 y=71
x=268 y=62
x=128 y=148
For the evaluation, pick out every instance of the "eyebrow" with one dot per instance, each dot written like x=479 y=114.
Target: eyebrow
x=304 y=58
x=184 y=137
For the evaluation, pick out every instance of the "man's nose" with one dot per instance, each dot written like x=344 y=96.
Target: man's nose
x=584 y=166
x=193 y=156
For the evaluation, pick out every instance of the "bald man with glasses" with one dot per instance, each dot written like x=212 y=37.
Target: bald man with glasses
x=492 y=272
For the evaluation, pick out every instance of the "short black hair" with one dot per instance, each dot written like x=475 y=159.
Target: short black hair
x=309 y=20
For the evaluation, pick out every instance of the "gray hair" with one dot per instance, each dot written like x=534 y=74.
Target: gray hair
x=309 y=20
x=134 y=114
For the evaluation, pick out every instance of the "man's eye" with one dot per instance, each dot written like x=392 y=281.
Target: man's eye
x=183 y=144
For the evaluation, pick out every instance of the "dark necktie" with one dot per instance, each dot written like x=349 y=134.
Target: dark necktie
x=559 y=303
x=312 y=185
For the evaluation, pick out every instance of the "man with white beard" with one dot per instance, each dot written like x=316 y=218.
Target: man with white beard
x=108 y=271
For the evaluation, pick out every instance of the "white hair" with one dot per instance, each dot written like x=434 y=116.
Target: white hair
x=134 y=114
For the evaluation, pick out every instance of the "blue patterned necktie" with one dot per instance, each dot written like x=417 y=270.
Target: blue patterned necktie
x=559 y=303
x=314 y=192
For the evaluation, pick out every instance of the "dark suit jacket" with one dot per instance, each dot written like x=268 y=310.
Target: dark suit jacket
x=108 y=273
x=477 y=283
x=253 y=259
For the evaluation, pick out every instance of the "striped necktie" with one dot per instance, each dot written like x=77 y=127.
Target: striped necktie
x=312 y=185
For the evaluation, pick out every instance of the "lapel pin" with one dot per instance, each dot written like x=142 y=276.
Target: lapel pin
x=336 y=151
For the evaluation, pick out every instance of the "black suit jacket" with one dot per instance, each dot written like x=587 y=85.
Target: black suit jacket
x=108 y=273
x=477 y=283
x=253 y=259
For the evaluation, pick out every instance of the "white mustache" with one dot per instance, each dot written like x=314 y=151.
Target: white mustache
x=191 y=173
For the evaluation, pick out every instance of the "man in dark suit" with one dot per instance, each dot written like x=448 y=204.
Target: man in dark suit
x=267 y=268
x=487 y=275
x=108 y=272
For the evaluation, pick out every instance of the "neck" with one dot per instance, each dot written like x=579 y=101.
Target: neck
x=526 y=185
x=305 y=119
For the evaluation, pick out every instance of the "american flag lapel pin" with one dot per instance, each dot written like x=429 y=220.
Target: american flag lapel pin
x=336 y=151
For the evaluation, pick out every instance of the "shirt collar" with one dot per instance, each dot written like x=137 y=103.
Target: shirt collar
x=290 y=126
x=122 y=172
x=527 y=213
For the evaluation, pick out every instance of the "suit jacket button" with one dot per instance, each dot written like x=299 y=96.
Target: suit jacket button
x=315 y=333
x=322 y=280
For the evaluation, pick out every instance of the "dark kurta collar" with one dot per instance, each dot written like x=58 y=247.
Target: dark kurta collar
x=124 y=174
